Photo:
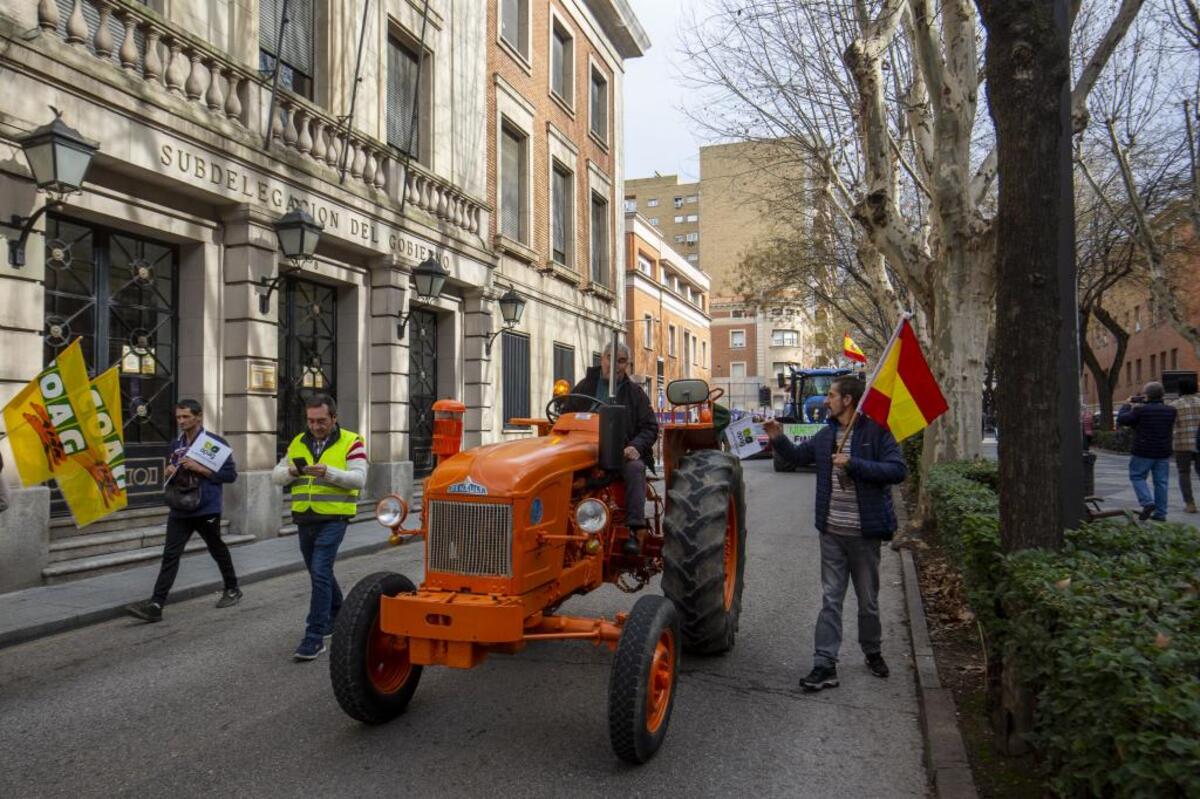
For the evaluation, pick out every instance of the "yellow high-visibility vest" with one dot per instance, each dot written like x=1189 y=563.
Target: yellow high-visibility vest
x=308 y=495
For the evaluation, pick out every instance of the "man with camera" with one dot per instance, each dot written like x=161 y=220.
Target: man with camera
x=1153 y=423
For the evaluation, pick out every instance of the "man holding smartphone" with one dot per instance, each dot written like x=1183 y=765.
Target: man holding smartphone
x=326 y=467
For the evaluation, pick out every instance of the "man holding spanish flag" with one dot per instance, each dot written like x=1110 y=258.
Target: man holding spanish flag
x=854 y=513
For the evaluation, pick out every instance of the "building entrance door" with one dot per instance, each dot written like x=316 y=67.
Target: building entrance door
x=307 y=352
x=118 y=293
x=422 y=389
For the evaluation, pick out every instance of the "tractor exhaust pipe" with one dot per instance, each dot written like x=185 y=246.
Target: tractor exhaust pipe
x=612 y=417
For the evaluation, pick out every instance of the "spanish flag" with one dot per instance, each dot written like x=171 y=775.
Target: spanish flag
x=851 y=350
x=903 y=395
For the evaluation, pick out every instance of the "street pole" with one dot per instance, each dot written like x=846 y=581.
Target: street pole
x=1071 y=508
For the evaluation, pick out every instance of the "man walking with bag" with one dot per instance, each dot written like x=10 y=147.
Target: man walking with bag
x=194 y=494
x=1187 y=424
x=326 y=467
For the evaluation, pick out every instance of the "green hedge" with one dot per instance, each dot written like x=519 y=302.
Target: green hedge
x=1118 y=440
x=1106 y=632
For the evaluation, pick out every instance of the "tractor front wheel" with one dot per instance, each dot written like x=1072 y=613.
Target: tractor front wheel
x=373 y=677
x=641 y=688
x=704 y=548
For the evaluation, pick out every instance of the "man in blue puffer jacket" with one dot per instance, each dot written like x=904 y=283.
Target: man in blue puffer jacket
x=854 y=515
x=1153 y=423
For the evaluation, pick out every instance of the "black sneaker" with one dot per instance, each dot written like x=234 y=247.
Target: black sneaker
x=632 y=547
x=820 y=677
x=1147 y=512
x=229 y=597
x=147 y=610
x=877 y=665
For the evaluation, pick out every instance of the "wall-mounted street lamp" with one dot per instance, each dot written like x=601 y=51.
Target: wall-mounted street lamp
x=59 y=158
x=429 y=276
x=298 y=234
x=512 y=305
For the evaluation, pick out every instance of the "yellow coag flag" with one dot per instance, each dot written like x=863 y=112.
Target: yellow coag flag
x=44 y=422
x=97 y=487
x=64 y=426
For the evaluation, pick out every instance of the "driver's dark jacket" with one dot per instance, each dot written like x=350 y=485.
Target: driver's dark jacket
x=641 y=428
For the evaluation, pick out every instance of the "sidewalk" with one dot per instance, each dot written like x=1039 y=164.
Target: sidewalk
x=1112 y=484
x=45 y=610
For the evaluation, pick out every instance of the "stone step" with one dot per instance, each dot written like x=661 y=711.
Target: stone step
x=67 y=570
x=95 y=544
x=63 y=527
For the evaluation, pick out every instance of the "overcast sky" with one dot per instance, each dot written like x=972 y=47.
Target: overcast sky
x=657 y=135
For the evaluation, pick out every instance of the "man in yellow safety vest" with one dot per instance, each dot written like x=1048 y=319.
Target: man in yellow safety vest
x=326 y=467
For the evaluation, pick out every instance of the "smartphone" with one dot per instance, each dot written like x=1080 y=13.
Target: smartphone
x=300 y=464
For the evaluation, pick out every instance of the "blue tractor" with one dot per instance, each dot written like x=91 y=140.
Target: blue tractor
x=805 y=403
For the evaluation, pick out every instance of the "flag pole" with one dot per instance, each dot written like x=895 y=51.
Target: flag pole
x=904 y=317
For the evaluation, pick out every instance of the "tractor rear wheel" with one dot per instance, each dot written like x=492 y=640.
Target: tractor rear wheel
x=373 y=678
x=641 y=687
x=704 y=548
x=781 y=464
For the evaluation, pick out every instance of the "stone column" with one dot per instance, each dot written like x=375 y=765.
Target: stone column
x=251 y=352
x=391 y=468
x=479 y=396
x=25 y=527
x=201 y=286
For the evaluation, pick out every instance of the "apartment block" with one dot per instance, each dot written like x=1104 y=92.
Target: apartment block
x=672 y=208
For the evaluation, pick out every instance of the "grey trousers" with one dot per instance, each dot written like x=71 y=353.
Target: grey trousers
x=843 y=559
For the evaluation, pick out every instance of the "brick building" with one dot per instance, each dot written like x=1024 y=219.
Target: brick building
x=555 y=178
x=667 y=319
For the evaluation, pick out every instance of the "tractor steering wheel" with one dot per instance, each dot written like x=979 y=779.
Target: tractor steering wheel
x=554 y=406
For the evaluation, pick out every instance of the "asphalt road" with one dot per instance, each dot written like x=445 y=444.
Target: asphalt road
x=210 y=703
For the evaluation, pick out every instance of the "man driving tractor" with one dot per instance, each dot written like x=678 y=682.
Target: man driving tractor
x=641 y=433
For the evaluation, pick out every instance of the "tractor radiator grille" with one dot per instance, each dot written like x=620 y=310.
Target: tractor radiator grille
x=470 y=538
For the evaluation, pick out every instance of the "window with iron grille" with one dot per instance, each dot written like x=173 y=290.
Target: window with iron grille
x=403 y=96
x=516 y=376
x=513 y=185
x=561 y=214
x=599 y=240
x=295 y=52
x=564 y=363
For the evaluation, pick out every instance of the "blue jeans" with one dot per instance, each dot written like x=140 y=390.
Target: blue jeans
x=1160 y=470
x=319 y=544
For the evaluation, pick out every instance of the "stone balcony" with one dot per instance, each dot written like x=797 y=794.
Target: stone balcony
x=127 y=38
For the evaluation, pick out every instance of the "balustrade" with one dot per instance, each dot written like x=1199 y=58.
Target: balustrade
x=134 y=40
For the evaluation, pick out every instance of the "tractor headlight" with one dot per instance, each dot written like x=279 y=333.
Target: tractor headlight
x=391 y=511
x=591 y=515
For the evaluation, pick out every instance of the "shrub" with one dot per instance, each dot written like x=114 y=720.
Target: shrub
x=1119 y=440
x=1106 y=632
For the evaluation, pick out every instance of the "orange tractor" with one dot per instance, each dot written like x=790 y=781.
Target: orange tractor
x=513 y=530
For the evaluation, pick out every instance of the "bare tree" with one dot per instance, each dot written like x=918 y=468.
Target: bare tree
x=877 y=99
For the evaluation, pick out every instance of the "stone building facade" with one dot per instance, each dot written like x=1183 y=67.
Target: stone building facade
x=667 y=323
x=163 y=261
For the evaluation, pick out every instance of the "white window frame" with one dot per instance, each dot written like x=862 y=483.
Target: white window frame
x=515 y=111
x=732 y=344
x=524 y=9
x=693 y=217
x=605 y=137
x=704 y=353
x=782 y=333
x=648 y=332
x=557 y=22
x=671 y=330
x=693 y=258
x=692 y=238
x=733 y=365
x=654 y=221
x=652 y=202
x=679 y=219
x=677 y=201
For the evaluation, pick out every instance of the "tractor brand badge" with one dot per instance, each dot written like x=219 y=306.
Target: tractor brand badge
x=535 y=512
x=583 y=416
x=468 y=486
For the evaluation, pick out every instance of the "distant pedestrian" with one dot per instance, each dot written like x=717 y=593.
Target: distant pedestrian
x=198 y=513
x=1187 y=425
x=1153 y=422
x=326 y=467
x=1088 y=425
x=853 y=515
